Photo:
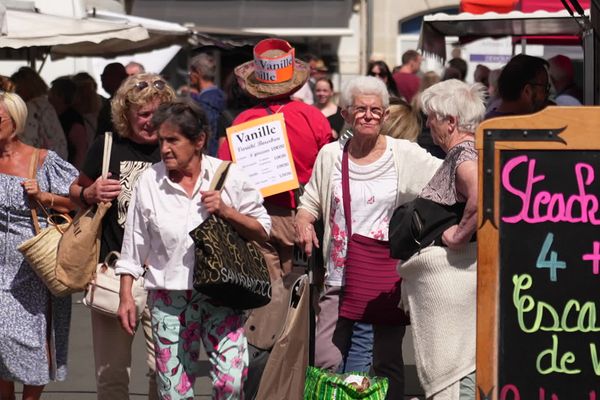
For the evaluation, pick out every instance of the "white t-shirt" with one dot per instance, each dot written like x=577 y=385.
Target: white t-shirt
x=373 y=190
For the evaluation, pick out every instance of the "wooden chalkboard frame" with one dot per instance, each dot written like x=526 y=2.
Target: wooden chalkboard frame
x=555 y=128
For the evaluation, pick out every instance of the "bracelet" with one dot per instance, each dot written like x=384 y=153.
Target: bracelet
x=51 y=200
x=82 y=197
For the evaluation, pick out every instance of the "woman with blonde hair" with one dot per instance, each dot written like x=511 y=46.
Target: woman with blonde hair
x=34 y=328
x=135 y=148
x=403 y=122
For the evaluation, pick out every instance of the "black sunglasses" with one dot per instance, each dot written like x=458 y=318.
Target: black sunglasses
x=158 y=84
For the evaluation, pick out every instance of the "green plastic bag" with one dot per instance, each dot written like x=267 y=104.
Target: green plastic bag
x=323 y=385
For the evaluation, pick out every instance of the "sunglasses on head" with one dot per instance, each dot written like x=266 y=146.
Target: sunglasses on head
x=158 y=84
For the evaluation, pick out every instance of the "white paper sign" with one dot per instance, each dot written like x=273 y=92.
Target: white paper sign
x=261 y=148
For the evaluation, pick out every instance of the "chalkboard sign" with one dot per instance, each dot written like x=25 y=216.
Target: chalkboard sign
x=539 y=257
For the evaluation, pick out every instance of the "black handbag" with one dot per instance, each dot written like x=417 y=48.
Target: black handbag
x=420 y=223
x=228 y=268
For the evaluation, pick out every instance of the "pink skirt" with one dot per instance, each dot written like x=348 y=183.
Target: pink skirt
x=372 y=286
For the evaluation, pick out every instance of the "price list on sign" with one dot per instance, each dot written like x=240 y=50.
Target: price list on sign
x=261 y=148
x=538 y=292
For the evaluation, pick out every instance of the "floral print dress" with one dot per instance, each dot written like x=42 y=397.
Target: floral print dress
x=24 y=300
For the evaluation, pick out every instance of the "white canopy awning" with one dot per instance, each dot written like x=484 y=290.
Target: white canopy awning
x=516 y=23
x=161 y=34
x=27 y=29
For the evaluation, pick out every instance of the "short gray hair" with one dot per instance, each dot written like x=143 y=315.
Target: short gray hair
x=205 y=65
x=454 y=98
x=364 y=85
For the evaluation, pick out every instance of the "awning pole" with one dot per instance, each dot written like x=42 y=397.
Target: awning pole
x=43 y=62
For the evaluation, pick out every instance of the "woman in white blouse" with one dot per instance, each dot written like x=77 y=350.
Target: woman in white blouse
x=171 y=199
x=383 y=173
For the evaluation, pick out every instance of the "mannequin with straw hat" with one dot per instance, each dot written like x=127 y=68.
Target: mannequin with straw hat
x=272 y=77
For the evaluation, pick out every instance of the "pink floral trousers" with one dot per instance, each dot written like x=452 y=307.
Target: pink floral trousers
x=180 y=319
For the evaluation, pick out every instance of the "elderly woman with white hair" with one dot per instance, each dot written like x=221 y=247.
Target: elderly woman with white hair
x=354 y=188
x=440 y=278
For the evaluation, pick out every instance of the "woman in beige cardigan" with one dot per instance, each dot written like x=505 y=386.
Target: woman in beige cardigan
x=383 y=173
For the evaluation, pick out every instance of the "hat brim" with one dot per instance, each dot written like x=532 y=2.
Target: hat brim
x=262 y=90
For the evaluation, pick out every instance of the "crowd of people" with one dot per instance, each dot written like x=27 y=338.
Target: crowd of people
x=395 y=136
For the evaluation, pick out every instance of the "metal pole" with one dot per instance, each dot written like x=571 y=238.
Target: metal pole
x=369 y=29
x=594 y=83
x=589 y=63
x=363 y=38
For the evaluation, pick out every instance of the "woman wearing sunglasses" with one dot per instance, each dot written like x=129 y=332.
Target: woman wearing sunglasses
x=31 y=316
x=379 y=69
x=135 y=148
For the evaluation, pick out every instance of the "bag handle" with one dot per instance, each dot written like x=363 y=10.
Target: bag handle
x=33 y=163
x=51 y=218
x=346 y=190
x=220 y=175
x=108 y=139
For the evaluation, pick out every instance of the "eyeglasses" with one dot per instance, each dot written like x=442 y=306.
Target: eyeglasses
x=547 y=87
x=158 y=84
x=360 y=112
x=377 y=74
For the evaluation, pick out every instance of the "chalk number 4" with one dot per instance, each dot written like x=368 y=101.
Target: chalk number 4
x=551 y=263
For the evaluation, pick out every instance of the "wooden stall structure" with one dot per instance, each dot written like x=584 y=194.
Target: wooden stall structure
x=538 y=311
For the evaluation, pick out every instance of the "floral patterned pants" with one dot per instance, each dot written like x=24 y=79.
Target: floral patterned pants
x=180 y=319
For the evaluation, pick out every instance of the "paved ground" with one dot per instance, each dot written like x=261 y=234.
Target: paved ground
x=80 y=382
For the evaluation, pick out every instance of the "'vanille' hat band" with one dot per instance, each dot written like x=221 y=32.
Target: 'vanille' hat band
x=273 y=61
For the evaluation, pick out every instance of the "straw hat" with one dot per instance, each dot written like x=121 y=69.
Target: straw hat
x=274 y=72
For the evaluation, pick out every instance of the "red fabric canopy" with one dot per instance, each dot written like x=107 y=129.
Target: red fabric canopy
x=548 y=5
x=483 y=6
x=504 y=6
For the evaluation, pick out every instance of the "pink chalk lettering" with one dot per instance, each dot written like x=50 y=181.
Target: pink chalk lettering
x=594 y=257
x=544 y=206
x=510 y=389
x=542 y=395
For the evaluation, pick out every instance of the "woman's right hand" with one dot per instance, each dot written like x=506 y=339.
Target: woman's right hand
x=102 y=190
x=306 y=236
x=127 y=312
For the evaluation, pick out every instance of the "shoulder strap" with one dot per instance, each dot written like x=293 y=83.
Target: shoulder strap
x=220 y=175
x=346 y=190
x=106 y=153
x=33 y=163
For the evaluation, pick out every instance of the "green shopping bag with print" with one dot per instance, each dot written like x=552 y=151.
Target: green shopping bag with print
x=323 y=385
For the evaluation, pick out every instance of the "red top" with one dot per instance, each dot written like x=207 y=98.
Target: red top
x=308 y=130
x=407 y=84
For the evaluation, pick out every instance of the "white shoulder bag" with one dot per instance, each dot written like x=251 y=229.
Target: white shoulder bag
x=102 y=293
